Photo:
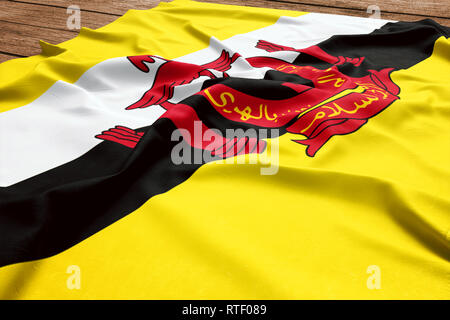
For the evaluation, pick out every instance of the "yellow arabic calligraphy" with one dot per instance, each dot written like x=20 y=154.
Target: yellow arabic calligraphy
x=373 y=88
x=319 y=115
x=284 y=66
x=337 y=96
x=338 y=109
x=338 y=81
x=222 y=97
x=245 y=113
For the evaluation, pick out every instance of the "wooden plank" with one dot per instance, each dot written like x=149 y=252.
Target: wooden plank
x=23 y=40
x=321 y=9
x=429 y=8
x=116 y=7
x=432 y=8
x=49 y=23
x=120 y=7
x=4 y=57
x=50 y=17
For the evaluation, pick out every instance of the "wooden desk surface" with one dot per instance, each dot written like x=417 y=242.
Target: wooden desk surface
x=24 y=22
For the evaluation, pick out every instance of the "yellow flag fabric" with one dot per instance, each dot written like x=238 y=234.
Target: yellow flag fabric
x=359 y=209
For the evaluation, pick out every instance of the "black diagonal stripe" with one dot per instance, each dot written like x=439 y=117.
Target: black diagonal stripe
x=55 y=210
x=52 y=211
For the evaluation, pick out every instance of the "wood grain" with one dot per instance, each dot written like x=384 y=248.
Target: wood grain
x=431 y=8
x=428 y=8
x=24 y=22
x=323 y=9
x=50 y=17
x=4 y=57
x=23 y=40
x=114 y=7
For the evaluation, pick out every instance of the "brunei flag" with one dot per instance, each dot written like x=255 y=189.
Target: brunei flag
x=205 y=151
